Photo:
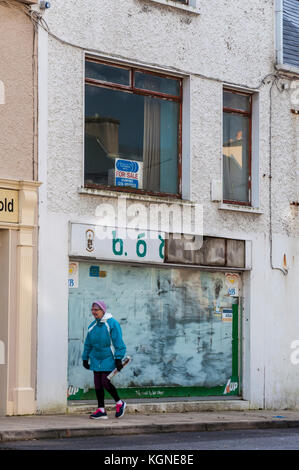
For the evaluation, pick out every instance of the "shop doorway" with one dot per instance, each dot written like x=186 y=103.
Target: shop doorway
x=4 y=297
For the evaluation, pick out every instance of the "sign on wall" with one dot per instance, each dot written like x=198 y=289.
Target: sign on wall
x=227 y=314
x=232 y=281
x=116 y=244
x=73 y=275
x=9 y=205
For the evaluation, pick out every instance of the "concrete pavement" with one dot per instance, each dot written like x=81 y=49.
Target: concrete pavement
x=141 y=419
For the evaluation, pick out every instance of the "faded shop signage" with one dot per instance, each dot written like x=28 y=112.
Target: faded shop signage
x=112 y=243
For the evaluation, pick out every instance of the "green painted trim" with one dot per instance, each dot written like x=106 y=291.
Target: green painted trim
x=235 y=341
x=154 y=392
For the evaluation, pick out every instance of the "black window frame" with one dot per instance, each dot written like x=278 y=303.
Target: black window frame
x=134 y=90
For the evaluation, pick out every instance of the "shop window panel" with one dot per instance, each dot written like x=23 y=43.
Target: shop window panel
x=171 y=320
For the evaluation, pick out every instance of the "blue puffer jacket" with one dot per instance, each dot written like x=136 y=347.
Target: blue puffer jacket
x=104 y=344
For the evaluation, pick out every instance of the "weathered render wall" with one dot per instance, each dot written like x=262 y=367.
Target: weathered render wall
x=230 y=42
x=18 y=175
x=16 y=112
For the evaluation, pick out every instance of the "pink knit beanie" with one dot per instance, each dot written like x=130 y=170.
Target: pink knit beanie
x=101 y=304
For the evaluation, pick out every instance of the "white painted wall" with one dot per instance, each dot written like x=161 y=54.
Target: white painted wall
x=230 y=42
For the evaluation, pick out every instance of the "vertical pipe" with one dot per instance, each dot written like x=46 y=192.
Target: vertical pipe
x=279 y=31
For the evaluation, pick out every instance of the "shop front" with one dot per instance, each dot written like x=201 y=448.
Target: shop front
x=18 y=277
x=181 y=322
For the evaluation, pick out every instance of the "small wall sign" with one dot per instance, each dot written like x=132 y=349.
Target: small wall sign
x=73 y=275
x=94 y=271
x=233 y=284
x=227 y=314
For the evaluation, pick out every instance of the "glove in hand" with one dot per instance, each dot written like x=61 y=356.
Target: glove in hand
x=118 y=364
x=86 y=365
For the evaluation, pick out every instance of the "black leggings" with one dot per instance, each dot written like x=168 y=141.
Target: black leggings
x=100 y=383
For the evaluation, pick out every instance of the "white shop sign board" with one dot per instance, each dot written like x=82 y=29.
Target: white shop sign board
x=110 y=243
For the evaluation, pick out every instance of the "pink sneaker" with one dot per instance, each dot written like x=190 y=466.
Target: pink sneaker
x=98 y=414
x=120 y=409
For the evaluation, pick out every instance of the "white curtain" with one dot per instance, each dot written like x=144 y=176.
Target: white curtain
x=151 y=145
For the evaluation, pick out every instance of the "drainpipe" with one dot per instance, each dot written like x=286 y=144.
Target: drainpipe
x=284 y=270
x=279 y=31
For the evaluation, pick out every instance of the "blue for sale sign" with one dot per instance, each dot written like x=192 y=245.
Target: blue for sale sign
x=128 y=173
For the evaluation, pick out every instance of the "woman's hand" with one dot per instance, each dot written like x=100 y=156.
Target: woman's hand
x=118 y=364
x=86 y=365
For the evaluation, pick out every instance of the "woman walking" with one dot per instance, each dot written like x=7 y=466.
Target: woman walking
x=104 y=348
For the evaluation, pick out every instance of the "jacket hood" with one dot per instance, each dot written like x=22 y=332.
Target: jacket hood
x=106 y=317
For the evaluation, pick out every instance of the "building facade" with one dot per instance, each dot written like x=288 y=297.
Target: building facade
x=18 y=211
x=158 y=118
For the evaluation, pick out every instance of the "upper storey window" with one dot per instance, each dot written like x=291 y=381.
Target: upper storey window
x=287 y=32
x=237 y=111
x=132 y=129
x=291 y=32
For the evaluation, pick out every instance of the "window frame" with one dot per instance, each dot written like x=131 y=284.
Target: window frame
x=131 y=89
x=249 y=115
x=190 y=6
x=282 y=62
